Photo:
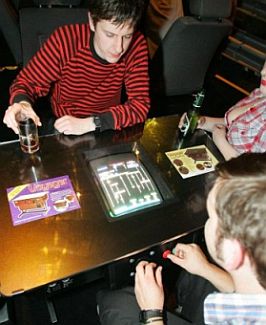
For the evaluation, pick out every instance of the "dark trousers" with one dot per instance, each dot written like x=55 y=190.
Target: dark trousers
x=119 y=307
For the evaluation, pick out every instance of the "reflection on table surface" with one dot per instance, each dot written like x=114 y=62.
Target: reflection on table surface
x=53 y=248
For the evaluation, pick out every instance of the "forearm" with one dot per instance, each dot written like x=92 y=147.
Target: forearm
x=20 y=91
x=35 y=79
x=207 y=123
x=130 y=113
x=216 y=120
x=18 y=97
x=226 y=149
x=25 y=88
x=218 y=277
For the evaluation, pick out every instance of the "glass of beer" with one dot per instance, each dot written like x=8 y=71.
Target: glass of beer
x=28 y=134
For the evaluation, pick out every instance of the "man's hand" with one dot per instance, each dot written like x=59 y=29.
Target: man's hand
x=204 y=123
x=76 y=126
x=148 y=286
x=21 y=107
x=181 y=121
x=190 y=257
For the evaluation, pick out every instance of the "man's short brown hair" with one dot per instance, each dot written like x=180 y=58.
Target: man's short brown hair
x=117 y=11
x=241 y=206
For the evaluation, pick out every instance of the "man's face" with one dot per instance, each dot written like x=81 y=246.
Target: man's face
x=111 y=41
x=211 y=227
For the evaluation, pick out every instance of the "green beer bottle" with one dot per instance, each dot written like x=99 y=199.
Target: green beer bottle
x=192 y=116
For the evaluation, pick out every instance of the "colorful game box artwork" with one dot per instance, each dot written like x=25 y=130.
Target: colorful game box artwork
x=192 y=161
x=42 y=199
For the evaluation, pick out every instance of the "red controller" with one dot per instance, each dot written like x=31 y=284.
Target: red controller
x=166 y=253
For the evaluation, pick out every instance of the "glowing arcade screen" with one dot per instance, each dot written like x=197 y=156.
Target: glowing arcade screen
x=125 y=184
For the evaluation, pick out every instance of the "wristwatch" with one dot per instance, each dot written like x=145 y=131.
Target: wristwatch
x=97 y=122
x=144 y=315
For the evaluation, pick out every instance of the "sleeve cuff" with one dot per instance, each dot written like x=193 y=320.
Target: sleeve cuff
x=107 y=121
x=21 y=97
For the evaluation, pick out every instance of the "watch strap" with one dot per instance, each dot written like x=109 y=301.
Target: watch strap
x=144 y=315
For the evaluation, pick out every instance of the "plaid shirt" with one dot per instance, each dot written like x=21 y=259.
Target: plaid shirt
x=235 y=308
x=247 y=133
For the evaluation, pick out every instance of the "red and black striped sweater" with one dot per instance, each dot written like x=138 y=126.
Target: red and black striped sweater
x=82 y=84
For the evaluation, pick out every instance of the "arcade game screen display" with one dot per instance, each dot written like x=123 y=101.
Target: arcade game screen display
x=125 y=184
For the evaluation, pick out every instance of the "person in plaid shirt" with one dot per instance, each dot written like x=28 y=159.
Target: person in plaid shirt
x=243 y=129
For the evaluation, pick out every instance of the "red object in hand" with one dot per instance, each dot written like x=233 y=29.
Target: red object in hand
x=166 y=253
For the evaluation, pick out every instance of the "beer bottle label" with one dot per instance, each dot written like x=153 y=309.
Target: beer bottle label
x=185 y=126
x=191 y=117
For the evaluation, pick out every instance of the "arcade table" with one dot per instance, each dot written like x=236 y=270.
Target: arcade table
x=130 y=199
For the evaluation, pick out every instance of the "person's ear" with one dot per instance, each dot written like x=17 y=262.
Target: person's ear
x=233 y=254
x=92 y=27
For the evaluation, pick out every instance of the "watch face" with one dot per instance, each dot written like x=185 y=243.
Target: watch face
x=97 y=122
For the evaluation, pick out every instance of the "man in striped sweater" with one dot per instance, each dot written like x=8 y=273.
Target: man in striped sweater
x=85 y=66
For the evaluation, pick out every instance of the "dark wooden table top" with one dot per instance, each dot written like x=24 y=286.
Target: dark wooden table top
x=43 y=251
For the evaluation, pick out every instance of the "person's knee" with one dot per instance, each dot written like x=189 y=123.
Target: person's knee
x=118 y=307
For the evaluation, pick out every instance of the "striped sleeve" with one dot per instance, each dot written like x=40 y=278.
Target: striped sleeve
x=42 y=70
x=81 y=85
